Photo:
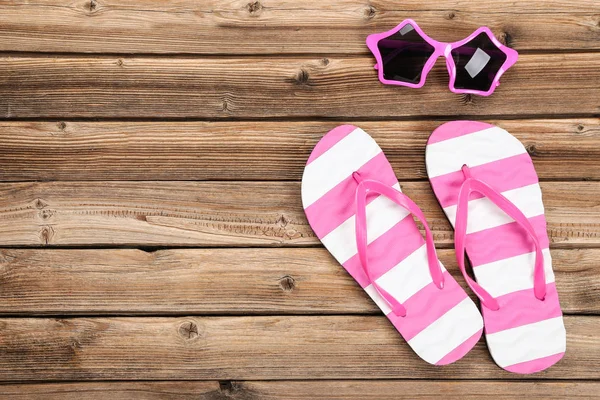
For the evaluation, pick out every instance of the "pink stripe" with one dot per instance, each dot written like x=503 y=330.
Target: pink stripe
x=329 y=140
x=522 y=308
x=461 y=350
x=337 y=205
x=504 y=241
x=427 y=306
x=530 y=367
x=454 y=129
x=506 y=174
x=387 y=251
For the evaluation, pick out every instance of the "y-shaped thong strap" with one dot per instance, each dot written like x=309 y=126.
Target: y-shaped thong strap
x=367 y=186
x=460 y=227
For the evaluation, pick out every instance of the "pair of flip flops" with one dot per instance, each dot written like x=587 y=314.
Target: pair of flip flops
x=485 y=181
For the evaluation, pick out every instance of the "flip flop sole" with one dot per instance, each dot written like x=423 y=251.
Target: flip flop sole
x=441 y=325
x=525 y=335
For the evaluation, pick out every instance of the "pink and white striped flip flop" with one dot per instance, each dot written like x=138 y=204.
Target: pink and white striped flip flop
x=352 y=197
x=486 y=183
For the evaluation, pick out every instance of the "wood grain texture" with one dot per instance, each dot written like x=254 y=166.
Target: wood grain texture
x=250 y=348
x=345 y=87
x=228 y=214
x=561 y=149
x=230 y=321
x=223 y=281
x=282 y=26
x=296 y=390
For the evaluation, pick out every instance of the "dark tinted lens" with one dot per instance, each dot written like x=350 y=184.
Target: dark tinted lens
x=477 y=63
x=404 y=55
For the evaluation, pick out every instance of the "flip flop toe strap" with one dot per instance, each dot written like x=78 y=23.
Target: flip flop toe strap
x=469 y=186
x=371 y=186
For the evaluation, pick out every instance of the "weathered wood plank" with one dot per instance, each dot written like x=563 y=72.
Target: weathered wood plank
x=227 y=213
x=346 y=87
x=293 y=390
x=223 y=281
x=248 y=348
x=255 y=150
x=282 y=26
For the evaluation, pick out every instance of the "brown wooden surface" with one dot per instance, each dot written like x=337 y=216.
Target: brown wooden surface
x=228 y=214
x=223 y=281
x=291 y=390
x=250 y=348
x=155 y=125
x=282 y=26
x=280 y=87
x=254 y=150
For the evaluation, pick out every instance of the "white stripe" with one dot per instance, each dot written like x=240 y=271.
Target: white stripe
x=483 y=214
x=447 y=332
x=512 y=274
x=381 y=303
x=474 y=149
x=479 y=60
x=336 y=164
x=408 y=276
x=528 y=342
x=382 y=215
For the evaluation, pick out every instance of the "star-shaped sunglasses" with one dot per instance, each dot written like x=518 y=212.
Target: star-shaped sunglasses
x=405 y=55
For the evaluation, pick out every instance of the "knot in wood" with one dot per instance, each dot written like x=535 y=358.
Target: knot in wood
x=254 y=8
x=46 y=214
x=580 y=128
x=505 y=38
x=467 y=99
x=287 y=283
x=188 y=330
x=61 y=125
x=370 y=12
x=450 y=15
x=226 y=386
x=93 y=5
x=46 y=234
x=282 y=221
x=75 y=344
x=40 y=204
x=531 y=149
x=302 y=77
x=225 y=105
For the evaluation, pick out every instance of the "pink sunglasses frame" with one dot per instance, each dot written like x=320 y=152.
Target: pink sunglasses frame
x=441 y=49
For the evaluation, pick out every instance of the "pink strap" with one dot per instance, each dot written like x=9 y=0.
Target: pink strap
x=366 y=186
x=475 y=185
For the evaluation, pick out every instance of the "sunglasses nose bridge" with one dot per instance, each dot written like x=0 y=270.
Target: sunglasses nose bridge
x=448 y=56
x=447 y=50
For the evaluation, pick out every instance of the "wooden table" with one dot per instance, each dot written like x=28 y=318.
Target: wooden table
x=153 y=239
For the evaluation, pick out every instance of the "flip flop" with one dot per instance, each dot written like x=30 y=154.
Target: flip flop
x=486 y=183
x=351 y=197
